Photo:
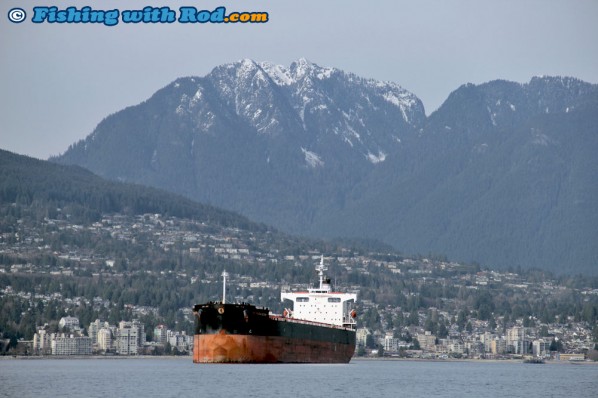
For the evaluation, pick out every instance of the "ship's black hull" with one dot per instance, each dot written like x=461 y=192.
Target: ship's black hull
x=245 y=333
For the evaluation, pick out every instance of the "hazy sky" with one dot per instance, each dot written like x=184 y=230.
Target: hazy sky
x=58 y=81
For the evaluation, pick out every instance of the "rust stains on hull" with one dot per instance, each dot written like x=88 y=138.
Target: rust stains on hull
x=234 y=348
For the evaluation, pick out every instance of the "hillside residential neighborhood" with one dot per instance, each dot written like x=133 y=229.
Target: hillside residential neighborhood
x=407 y=324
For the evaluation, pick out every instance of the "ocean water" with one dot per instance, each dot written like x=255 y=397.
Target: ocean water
x=162 y=377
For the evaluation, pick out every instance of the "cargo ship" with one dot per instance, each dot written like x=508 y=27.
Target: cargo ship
x=319 y=328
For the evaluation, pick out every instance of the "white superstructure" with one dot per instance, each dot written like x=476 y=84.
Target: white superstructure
x=322 y=304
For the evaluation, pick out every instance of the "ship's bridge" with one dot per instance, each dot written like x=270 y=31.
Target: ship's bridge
x=322 y=304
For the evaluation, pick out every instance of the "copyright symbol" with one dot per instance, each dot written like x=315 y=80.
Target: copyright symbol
x=17 y=15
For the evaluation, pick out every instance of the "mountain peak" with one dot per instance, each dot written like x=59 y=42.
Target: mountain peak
x=566 y=81
x=279 y=74
x=303 y=68
x=298 y=71
x=501 y=100
x=317 y=150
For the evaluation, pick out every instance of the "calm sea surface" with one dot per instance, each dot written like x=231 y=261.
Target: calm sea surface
x=181 y=378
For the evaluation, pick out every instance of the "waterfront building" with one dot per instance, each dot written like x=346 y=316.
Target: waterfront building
x=362 y=336
x=487 y=338
x=391 y=344
x=427 y=341
x=141 y=338
x=42 y=342
x=540 y=348
x=570 y=357
x=63 y=344
x=94 y=328
x=498 y=346
x=180 y=340
x=160 y=334
x=130 y=336
x=127 y=339
x=516 y=341
x=456 y=347
x=104 y=339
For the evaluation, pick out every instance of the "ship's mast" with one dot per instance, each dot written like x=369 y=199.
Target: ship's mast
x=224 y=275
x=321 y=268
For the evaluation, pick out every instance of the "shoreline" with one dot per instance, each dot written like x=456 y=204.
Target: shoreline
x=471 y=360
x=354 y=359
x=94 y=357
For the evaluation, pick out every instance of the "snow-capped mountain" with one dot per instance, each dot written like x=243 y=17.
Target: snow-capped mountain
x=257 y=137
x=498 y=174
x=307 y=105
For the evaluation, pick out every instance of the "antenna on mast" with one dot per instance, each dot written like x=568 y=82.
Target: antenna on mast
x=321 y=268
x=224 y=275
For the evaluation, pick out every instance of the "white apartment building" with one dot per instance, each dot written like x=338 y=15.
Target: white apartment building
x=391 y=344
x=487 y=339
x=130 y=336
x=180 y=340
x=161 y=334
x=456 y=347
x=498 y=346
x=42 y=343
x=104 y=339
x=516 y=342
x=69 y=322
x=93 y=329
x=127 y=337
x=540 y=348
x=361 y=336
x=70 y=345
